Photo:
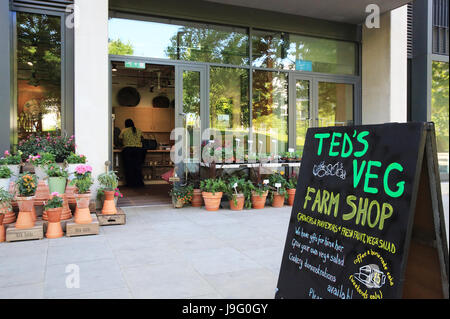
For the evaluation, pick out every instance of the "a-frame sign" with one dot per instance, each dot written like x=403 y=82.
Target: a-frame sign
x=368 y=218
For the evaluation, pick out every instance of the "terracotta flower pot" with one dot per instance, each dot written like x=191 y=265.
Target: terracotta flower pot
x=212 y=201
x=109 y=205
x=83 y=213
x=54 y=229
x=291 y=198
x=70 y=193
x=42 y=191
x=9 y=216
x=197 y=199
x=25 y=218
x=259 y=202
x=66 y=212
x=2 y=228
x=240 y=201
x=278 y=200
x=177 y=203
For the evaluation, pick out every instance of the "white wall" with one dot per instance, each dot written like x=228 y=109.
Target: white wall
x=91 y=82
x=384 y=69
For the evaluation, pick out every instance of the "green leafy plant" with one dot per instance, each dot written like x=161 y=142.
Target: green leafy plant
x=259 y=189
x=292 y=182
x=182 y=193
x=213 y=185
x=42 y=159
x=10 y=159
x=234 y=186
x=54 y=202
x=54 y=170
x=5 y=199
x=108 y=181
x=76 y=159
x=278 y=184
x=83 y=184
x=26 y=184
x=59 y=145
x=5 y=172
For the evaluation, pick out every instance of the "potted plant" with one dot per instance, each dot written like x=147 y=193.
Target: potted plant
x=197 y=199
x=5 y=177
x=259 y=195
x=181 y=195
x=53 y=208
x=13 y=162
x=108 y=184
x=212 y=192
x=83 y=182
x=278 y=187
x=40 y=162
x=235 y=193
x=5 y=209
x=26 y=185
x=57 y=178
x=72 y=161
x=291 y=189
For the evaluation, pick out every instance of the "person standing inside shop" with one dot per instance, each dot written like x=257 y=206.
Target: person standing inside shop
x=132 y=154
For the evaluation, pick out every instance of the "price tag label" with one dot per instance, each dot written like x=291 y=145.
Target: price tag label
x=278 y=185
x=235 y=185
x=291 y=150
x=266 y=181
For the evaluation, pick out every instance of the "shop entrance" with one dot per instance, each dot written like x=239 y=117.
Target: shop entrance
x=144 y=93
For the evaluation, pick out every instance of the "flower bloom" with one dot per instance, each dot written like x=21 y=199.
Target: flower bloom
x=55 y=194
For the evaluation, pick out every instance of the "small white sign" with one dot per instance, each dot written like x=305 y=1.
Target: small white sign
x=266 y=181
x=278 y=185
x=291 y=150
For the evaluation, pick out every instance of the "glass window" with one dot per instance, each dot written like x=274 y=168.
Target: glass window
x=279 y=50
x=270 y=111
x=440 y=111
x=303 y=115
x=335 y=104
x=38 y=74
x=179 y=41
x=229 y=100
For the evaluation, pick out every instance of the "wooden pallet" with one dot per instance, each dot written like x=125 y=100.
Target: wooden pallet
x=35 y=233
x=108 y=220
x=73 y=229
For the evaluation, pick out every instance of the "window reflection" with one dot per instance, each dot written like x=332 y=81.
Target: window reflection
x=302 y=104
x=280 y=50
x=440 y=112
x=179 y=41
x=38 y=74
x=270 y=111
x=335 y=104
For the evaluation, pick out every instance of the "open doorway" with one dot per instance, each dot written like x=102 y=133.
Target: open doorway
x=144 y=93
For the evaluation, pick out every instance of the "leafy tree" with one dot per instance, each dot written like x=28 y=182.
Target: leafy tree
x=440 y=104
x=117 y=47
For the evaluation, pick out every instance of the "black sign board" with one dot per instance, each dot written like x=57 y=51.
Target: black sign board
x=367 y=222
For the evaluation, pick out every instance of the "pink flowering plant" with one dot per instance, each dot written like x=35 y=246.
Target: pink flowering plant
x=60 y=145
x=76 y=159
x=83 y=180
x=42 y=159
x=10 y=159
x=55 y=202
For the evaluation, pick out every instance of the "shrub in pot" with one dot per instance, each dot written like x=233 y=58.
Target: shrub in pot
x=57 y=178
x=109 y=183
x=83 y=182
x=235 y=193
x=181 y=195
x=53 y=208
x=26 y=185
x=5 y=177
x=13 y=162
x=212 y=192
x=5 y=209
x=278 y=185
x=40 y=162
x=259 y=195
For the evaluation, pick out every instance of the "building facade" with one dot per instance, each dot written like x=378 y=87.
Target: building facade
x=262 y=75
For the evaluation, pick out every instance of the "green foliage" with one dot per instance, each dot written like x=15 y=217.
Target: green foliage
x=5 y=172
x=83 y=184
x=5 y=198
x=213 y=185
x=259 y=189
x=60 y=146
x=440 y=104
x=182 y=193
x=54 y=170
x=10 y=159
x=117 y=47
x=75 y=159
x=54 y=202
x=292 y=182
x=109 y=181
x=26 y=184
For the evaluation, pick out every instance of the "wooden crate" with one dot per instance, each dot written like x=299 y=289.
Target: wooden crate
x=108 y=220
x=35 y=233
x=63 y=224
x=73 y=229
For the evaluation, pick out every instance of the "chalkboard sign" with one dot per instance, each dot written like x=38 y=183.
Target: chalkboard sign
x=355 y=231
